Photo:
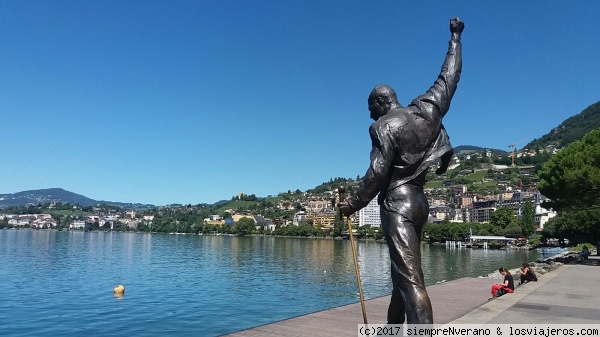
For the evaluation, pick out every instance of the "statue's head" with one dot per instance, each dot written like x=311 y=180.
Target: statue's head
x=381 y=100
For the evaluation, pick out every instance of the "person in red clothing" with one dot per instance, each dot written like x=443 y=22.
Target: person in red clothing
x=508 y=286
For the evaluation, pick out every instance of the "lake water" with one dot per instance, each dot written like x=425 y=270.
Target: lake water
x=61 y=283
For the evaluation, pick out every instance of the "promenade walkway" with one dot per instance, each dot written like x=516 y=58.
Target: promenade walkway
x=568 y=294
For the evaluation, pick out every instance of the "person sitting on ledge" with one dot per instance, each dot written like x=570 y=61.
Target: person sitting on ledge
x=585 y=252
x=508 y=286
x=527 y=274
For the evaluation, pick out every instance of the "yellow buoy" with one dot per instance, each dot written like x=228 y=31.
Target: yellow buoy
x=119 y=290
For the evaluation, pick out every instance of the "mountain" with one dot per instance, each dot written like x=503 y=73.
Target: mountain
x=572 y=129
x=44 y=196
x=126 y=205
x=464 y=149
x=219 y=203
x=59 y=195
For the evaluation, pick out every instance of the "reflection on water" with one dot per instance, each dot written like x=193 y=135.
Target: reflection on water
x=195 y=285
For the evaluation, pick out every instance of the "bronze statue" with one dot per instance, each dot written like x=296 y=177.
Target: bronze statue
x=406 y=141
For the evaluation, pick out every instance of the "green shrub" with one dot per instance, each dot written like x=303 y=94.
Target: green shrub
x=535 y=240
x=579 y=247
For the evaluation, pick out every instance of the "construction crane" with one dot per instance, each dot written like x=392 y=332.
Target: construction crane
x=512 y=149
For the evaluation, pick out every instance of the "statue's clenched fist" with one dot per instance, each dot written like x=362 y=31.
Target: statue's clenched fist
x=456 y=26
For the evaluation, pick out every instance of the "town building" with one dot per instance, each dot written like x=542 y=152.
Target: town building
x=300 y=217
x=324 y=218
x=542 y=216
x=77 y=225
x=440 y=212
x=370 y=215
x=316 y=205
x=482 y=214
x=263 y=223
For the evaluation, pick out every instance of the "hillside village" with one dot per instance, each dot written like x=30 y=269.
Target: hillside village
x=476 y=184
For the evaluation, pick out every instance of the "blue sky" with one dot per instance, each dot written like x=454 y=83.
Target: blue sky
x=195 y=101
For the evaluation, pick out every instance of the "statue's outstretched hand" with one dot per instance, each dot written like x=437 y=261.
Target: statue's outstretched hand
x=456 y=26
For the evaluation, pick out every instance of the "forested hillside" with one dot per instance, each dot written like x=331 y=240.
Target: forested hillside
x=571 y=129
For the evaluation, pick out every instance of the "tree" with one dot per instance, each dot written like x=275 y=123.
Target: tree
x=577 y=226
x=338 y=225
x=95 y=225
x=512 y=228
x=501 y=219
x=528 y=219
x=244 y=226
x=571 y=178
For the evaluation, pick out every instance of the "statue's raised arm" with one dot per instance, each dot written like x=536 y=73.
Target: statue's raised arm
x=436 y=101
